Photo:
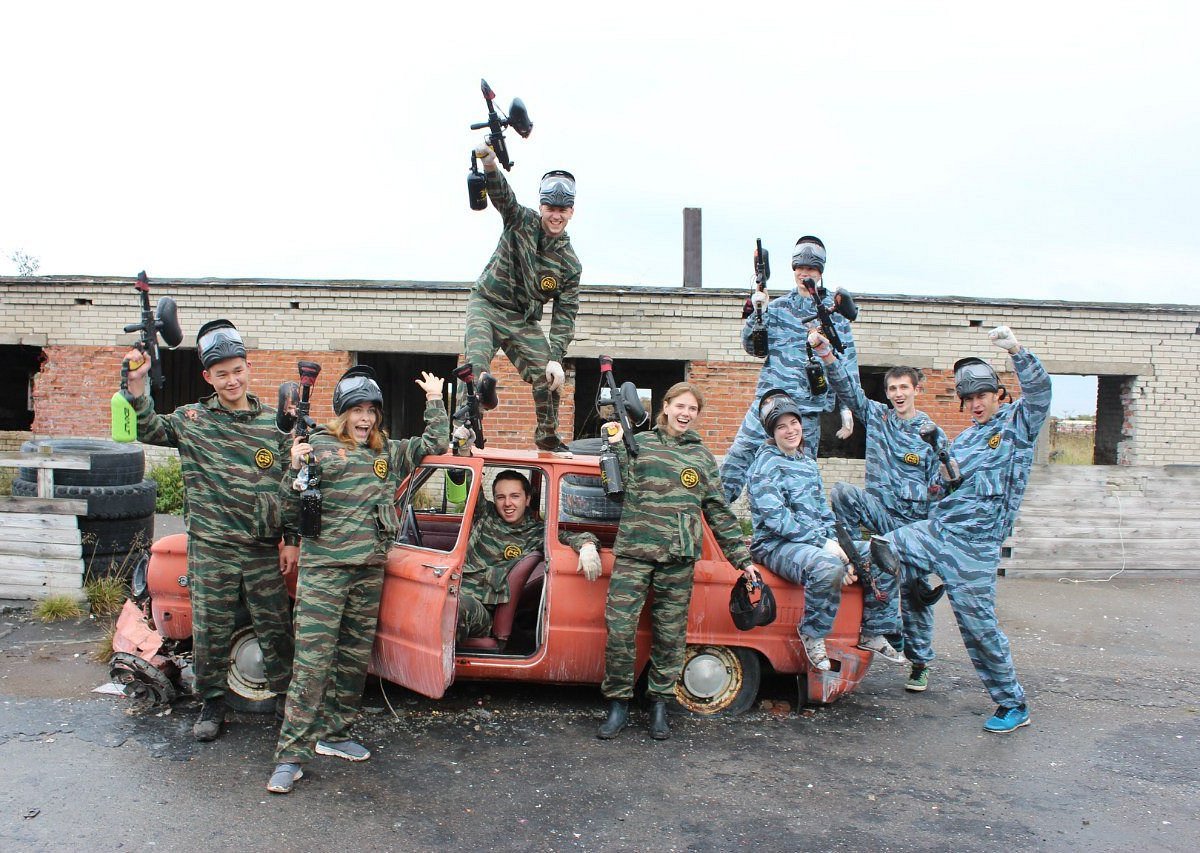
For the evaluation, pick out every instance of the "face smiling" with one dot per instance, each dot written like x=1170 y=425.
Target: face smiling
x=510 y=499
x=230 y=378
x=788 y=434
x=361 y=420
x=982 y=405
x=903 y=396
x=681 y=413
x=555 y=218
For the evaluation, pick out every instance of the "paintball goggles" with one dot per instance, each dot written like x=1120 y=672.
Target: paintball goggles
x=629 y=412
x=762 y=272
x=162 y=321
x=517 y=119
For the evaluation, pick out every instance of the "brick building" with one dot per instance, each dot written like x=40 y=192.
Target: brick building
x=61 y=342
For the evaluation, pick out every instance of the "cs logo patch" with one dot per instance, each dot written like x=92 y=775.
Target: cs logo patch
x=994 y=441
x=380 y=468
x=549 y=283
x=689 y=477
x=912 y=459
x=264 y=458
x=511 y=552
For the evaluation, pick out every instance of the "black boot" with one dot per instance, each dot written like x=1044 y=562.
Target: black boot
x=883 y=557
x=660 y=729
x=211 y=721
x=618 y=716
x=486 y=389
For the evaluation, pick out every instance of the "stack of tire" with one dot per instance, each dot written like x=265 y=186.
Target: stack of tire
x=120 y=502
x=583 y=497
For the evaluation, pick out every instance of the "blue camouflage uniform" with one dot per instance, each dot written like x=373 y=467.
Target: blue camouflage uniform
x=900 y=466
x=784 y=369
x=962 y=537
x=792 y=522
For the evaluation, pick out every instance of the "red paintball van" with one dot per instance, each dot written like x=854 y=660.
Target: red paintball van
x=552 y=629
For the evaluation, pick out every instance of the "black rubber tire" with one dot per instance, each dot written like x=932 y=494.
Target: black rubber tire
x=113 y=463
x=583 y=497
x=104 y=502
x=586 y=446
x=110 y=541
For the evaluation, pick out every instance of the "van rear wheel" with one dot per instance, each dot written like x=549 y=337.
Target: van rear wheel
x=248 y=690
x=718 y=680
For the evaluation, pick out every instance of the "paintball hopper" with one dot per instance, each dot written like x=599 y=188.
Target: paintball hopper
x=747 y=613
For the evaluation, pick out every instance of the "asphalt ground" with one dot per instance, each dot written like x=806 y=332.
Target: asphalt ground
x=1109 y=761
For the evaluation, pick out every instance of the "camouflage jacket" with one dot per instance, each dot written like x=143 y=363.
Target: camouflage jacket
x=787 y=500
x=900 y=465
x=994 y=459
x=497 y=546
x=231 y=463
x=787 y=335
x=671 y=483
x=358 y=490
x=530 y=268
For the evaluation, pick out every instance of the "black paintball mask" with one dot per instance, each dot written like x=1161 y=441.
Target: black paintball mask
x=557 y=189
x=747 y=613
x=774 y=405
x=973 y=375
x=218 y=340
x=357 y=385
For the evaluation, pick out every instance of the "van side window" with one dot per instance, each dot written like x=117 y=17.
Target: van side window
x=431 y=507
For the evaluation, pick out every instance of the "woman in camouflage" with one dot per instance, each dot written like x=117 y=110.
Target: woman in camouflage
x=669 y=485
x=342 y=569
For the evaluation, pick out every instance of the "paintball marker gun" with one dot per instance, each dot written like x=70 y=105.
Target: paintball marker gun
x=762 y=272
x=862 y=567
x=952 y=476
x=162 y=321
x=308 y=481
x=471 y=412
x=629 y=412
x=517 y=119
x=823 y=316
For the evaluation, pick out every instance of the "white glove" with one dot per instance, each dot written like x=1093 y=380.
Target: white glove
x=833 y=548
x=820 y=346
x=1003 y=337
x=847 y=429
x=589 y=561
x=555 y=375
x=612 y=431
x=759 y=300
x=486 y=156
x=461 y=440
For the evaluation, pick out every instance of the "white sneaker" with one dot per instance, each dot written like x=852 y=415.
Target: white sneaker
x=880 y=646
x=346 y=749
x=815 y=649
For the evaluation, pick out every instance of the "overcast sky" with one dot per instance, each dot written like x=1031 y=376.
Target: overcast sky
x=1029 y=150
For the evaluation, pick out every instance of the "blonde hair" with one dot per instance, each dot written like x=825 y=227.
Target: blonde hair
x=678 y=390
x=340 y=429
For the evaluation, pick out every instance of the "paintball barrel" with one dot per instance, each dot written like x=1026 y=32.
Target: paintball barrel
x=952 y=476
x=471 y=412
x=762 y=272
x=862 y=567
x=629 y=412
x=308 y=481
x=162 y=321
x=517 y=119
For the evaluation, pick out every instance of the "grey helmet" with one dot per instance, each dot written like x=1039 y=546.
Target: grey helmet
x=774 y=405
x=972 y=375
x=809 y=252
x=357 y=385
x=218 y=340
x=557 y=189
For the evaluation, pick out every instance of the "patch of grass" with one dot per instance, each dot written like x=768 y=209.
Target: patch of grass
x=106 y=596
x=1072 y=448
x=169 y=477
x=7 y=475
x=102 y=652
x=56 y=608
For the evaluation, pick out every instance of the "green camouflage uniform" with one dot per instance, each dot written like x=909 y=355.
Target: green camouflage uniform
x=231 y=462
x=671 y=483
x=495 y=548
x=341 y=579
x=528 y=269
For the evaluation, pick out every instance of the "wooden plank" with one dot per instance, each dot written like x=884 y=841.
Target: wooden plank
x=15 y=521
x=36 y=564
x=69 y=461
x=47 y=550
x=57 y=506
x=1148 y=529
x=40 y=579
x=1098 y=573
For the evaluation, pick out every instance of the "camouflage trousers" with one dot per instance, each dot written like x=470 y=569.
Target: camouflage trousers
x=968 y=568
x=750 y=437
x=489 y=328
x=627 y=590
x=857 y=508
x=820 y=573
x=337 y=609
x=474 y=617
x=218 y=576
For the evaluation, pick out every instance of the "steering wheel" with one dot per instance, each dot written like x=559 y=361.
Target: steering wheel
x=410 y=533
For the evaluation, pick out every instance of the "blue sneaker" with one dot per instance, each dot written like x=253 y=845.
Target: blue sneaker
x=1007 y=719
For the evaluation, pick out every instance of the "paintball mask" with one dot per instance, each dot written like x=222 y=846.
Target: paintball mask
x=972 y=375
x=749 y=614
x=357 y=385
x=809 y=252
x=218 y=340
x=557 y=189
x=774 y=405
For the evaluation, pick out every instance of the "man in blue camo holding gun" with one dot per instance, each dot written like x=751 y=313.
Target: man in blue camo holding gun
x=901 y=461
x=787 y=326
x=794 y=536
x=968 y=523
